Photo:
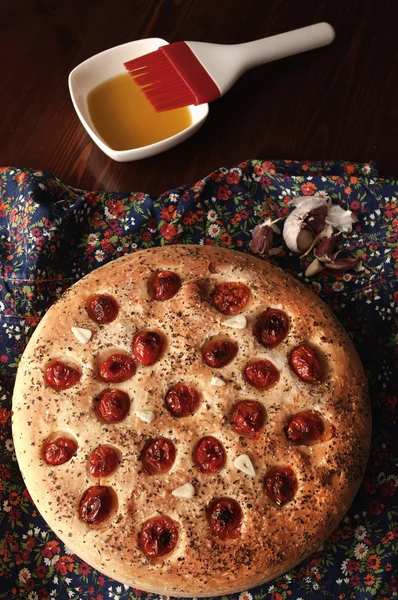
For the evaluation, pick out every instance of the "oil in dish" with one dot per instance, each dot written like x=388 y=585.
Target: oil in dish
x=125 y=119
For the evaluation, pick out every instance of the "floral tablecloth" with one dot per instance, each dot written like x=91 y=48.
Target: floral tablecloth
x=52 y=234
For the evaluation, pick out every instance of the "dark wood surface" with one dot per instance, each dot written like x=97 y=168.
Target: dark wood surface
x=337 y=102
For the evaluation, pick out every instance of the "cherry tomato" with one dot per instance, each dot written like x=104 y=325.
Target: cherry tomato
x=96 y=504
x=158 y=456
x=209 y=455
x=248 y=418
x=182 y=400
x=59 y=450
x=113 y=406
x=306 y=364
x=102 y=309
x=262 y=374
x=231 y=298
x=117 y=368
x=219 y=353
x=60 y=376
x=158 y=536
x=281 y=485
x=225 y=518
x=271 y=327
x=103 y=461
x=164 y=285
x=305 y=427
x=147 y=347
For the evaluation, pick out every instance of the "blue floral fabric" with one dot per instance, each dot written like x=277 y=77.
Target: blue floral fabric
x=52 y=234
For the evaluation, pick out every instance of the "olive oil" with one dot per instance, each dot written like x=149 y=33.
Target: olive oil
x=124 y=118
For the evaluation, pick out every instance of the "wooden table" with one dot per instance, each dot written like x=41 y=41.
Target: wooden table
x=337 y=102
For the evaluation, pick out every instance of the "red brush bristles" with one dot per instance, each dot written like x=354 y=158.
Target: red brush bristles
x=172 y=77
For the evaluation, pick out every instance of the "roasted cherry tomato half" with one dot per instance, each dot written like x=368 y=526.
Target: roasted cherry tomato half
x=113 y=406
x=96 y=504
x=225 y=518
x=158 y=536
x=209 y=455
x=219 y=353
x=271 y=327
x=306 y=363
x=103 y=461
x=102 y=309
x=230 y=298
x=281 y=485
x=182 y=400
x=305 y=427
x=60 y=376
x=158 y=456
x=261 y=374
x=164 y=285
x=117 y=368
x=147 y=347
x=59 y=450
x=248 y=418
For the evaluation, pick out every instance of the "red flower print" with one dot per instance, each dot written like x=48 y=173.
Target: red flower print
x=116 y=208
x=31 y=543
x=41 y=571
x=4 y=415
x=349 y=169
x=168 y=231
x=353 y=180
x=355 y=580
x=374 y=561
x=376 y=506
x=101 y=580
x=244 y=214
x=232 y=177
x=308 y=188
x=276 y=596
x=352 y=565
x=20 y=177
x=189 y=218
x=388 y=488
x=36 y=232
x=355 y=205
x=14 y=498
x=235 y=219
x=223 y=192
x=84 y=568
x=265 y=181
x=168 y=213
x=146 y=236
x=226 y=239
x=268 y=166
x=51 y=549
x=64 y=565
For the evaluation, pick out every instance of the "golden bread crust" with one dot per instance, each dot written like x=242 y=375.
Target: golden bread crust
x=272 y=539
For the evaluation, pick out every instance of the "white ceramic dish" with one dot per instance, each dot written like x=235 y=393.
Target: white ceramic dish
x=107 y=64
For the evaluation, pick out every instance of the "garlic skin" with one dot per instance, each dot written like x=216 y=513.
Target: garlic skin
x=262 y=237
x=236 y=322
x=341 y=219
x=244 y=464
x=305 y=223
x=186 y=491
x=81 y=334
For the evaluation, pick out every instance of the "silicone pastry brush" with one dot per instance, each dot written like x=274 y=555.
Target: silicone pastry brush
x=185 y=73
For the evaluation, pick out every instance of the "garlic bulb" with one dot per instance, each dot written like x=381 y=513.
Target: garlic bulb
x=306 y=223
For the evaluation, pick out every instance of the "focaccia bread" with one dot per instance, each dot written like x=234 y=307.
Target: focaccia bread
x=191 y=421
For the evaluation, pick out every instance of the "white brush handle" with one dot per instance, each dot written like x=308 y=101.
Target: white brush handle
x=226 y=63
